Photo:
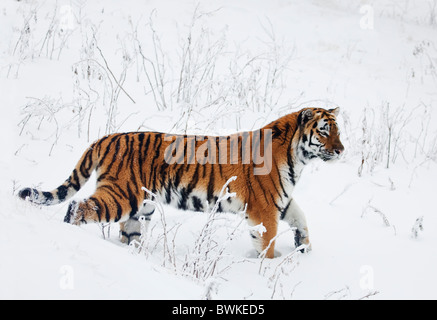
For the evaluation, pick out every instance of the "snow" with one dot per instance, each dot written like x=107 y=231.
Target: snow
x=360 y=213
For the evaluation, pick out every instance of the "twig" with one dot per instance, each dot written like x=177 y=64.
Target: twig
x=370 y=294
x=346 y=188
x=109 y=69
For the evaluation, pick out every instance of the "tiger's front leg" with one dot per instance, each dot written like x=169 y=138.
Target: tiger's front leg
x=295 y=217
x=130 y=230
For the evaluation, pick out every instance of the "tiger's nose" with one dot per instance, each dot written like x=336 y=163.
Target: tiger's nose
x=339 y=150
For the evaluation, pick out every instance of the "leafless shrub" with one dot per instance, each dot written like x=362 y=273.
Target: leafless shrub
x=57 y=33
x=202 y=262
x=388 y=132
x=100 y=83
x=25 y=46
x=169 y=256
x=155 y=66
x=370 y=208
x=283 y=269
x=418 y=226
x=208 y=77
x=43 y=113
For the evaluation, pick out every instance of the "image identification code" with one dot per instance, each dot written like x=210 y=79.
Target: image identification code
x=220 y=309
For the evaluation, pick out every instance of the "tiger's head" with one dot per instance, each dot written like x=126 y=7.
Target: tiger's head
x=319 y=135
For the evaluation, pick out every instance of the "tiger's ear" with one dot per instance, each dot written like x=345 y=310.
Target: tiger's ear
x=305 y=116
x=335 y=111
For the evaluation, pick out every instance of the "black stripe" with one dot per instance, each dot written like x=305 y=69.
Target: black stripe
x=134 y=234
x=130 y=162
x=84 y=169
x=111 y=191
x=156 y=147
x=75 y=183
x=178 y=176
x=166 y=183
x=280 y=180
x=48 y=197
x=183 y=200
x=107 y=215
x=141 y=155
x=287 y=128
x=120 y=190
x=108 y=148
x=230 y=198
x=310 y=143
x=210 y=192
x=27 y=192
x=168 y=188
x=197 y=204
x=284 y=211
x=274 y=186
x=176 y=146
x=98 y=144
x=307 y=154
x=217 y=153
x=148 y=214
x=128 y=235
x=62 y=192
x=276 y=131
x=111 y=194
x=123 y=157
x=133 y=201
x=119 y=212
x=114 y=158
x=194 y=180
x=219 y=209
x=89 y=160
x=97 y=208
x=249 y=174
x=290 y=168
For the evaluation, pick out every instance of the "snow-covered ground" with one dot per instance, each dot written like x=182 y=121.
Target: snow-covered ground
x=72 y=71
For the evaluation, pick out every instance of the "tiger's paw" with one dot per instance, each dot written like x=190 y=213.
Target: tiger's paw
x=128 y=238
x=301 y=240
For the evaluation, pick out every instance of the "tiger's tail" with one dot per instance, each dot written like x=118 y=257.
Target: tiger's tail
x=69 y=188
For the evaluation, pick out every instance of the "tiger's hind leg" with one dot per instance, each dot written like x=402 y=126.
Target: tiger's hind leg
x=130 y=230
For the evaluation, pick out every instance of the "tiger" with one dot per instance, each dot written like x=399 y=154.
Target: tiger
x=131 y=167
